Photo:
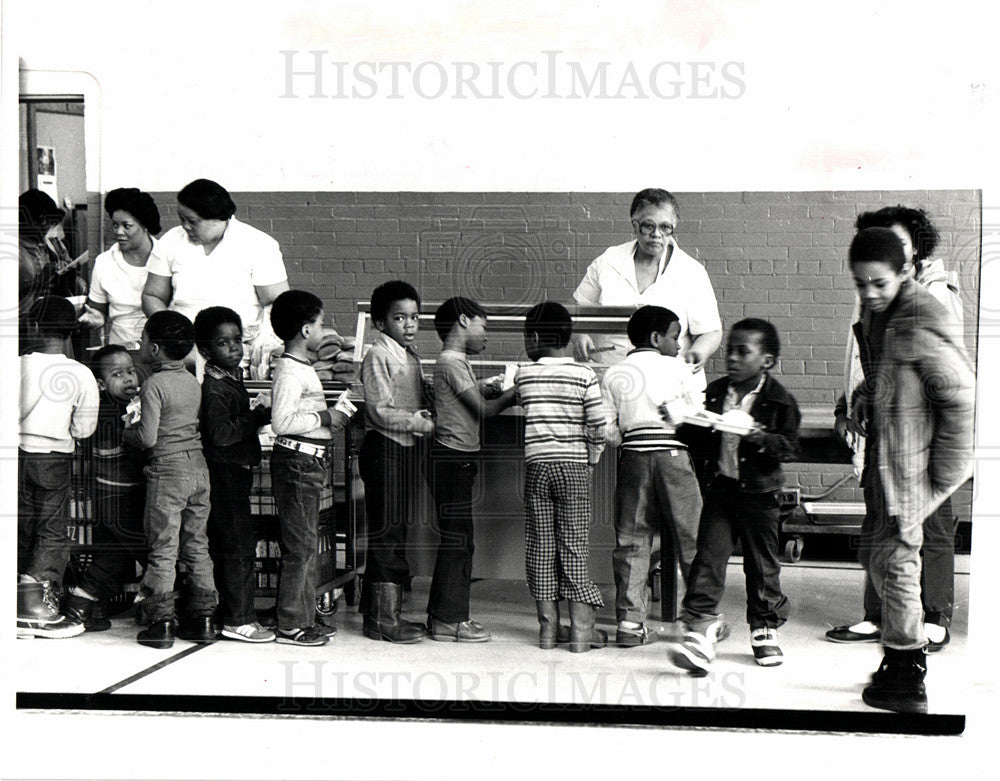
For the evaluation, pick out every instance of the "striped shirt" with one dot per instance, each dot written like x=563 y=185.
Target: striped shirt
x=564 y=415
x=115 y=466
x=634 y=391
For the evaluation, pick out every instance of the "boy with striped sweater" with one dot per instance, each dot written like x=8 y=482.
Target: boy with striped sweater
x=563 y=440
x=648 y=394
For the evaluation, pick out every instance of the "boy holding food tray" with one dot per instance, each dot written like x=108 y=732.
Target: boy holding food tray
x=755 y=427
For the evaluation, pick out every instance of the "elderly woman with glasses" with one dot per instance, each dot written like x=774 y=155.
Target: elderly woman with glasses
x=652 y=269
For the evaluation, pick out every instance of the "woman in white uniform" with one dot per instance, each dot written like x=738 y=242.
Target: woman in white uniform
x=652 y=269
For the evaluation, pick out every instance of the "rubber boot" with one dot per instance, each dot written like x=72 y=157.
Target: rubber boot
x=548 y=624
x=38 y=616
x=158 y=611
x=383 y=621
x=195 y=624
x=81 y=610
x=898 y=684
x=582 y=634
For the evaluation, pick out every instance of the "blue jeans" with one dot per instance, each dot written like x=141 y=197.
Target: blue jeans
x=177 y=507
x=657 y=494
x=297 y=481
x=891 y=554
x=119 y=540
x=752 y=517
x=43 y=483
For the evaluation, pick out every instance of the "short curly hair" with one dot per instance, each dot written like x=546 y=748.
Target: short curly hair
x=208 y=199
x=653 y=196
x=137 y=203
x=765 y=329
x=388 y=293
x=172 y=331
x=210 y=318
x=923 y=234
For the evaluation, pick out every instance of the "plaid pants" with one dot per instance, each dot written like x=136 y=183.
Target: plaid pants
x=557 y=532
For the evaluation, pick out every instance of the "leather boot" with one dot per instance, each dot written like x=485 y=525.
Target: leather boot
x=562 y=631
x=159 y=634
x=548 y=624
x=582 y=634
x=898 y=684
x=81 y=610
x=38 y=616
x=383 y=621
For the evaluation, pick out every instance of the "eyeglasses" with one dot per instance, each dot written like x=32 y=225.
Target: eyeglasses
x=647 y=228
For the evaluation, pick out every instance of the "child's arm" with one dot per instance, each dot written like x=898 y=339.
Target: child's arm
x=144 y=434
x=783 y=442
x=593 y=412
x=286 y=417
x=83 y=421
x=612 y=432
x=482 y=407
x=222 y=422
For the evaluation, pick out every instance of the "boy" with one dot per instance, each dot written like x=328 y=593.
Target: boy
x=300 y=462
x=743 y=476
x=390 y=462
x=119 y=496
x=232 y=448
x=460 y=404
x=563 y=440
x=657 y=488
x=58 y=406
x=177 y=490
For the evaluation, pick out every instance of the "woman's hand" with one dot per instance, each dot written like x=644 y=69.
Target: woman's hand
x=90 y=318
x=583 y=346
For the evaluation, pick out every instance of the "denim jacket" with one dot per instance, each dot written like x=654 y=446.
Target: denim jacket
x=760 y=465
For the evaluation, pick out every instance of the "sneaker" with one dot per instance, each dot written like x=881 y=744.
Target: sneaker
x=248 y=633
x=717 y=631
x=307 y=636
x=632 y=636
x=327 y=630
x=694 y=654
x=864 y=632
x=764 y=642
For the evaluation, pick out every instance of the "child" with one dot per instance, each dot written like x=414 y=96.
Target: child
x=177 y=490
x=232 y=448
x=563 y=440
x=743 y=476
x=460 y=404
x=657 y=488
x=58 y=406
x=916 y=411
x=396 y=418
x=300 y=462
x=119 y=493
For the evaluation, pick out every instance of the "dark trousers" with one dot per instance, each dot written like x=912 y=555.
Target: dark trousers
x=937 y=575
x=43 y=483
x=392 y=475
x=119 y=541
x=232 y=542
x=732 y=514
x=297 y=481
x=453 y=477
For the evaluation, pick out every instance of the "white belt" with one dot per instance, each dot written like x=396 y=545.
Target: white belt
x=319 y=451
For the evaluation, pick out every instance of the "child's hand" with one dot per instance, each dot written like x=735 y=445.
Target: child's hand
x=262 y=399
x=756 y=435
x=338 y=420
x=423 y=423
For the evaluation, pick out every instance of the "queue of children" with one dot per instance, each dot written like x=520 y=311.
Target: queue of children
x=174 y=472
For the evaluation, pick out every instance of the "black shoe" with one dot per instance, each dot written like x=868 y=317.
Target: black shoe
x=865 y=632
x=159 y=634
x=198 y=630
x=898 y=684
x=82 y=610
x=932 y=647
x=629 y=637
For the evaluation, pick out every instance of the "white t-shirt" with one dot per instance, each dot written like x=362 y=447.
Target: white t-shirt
x=244 y=259
x=119 y=285
x=682 y=286
x=58 y=403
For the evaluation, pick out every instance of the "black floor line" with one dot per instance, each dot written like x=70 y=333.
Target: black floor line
x=150 y=670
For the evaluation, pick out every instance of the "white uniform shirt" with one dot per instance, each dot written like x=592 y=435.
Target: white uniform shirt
x=244 y=259
x=119 y=285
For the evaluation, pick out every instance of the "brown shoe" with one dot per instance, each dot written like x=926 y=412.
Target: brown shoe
x=461 y=632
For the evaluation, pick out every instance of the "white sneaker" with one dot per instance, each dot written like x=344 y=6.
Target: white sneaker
x=764 y=642
x=248 y=633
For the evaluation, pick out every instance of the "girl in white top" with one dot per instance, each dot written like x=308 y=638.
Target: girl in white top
x=119 y=275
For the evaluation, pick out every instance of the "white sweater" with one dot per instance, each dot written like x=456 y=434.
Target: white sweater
x=59 y=403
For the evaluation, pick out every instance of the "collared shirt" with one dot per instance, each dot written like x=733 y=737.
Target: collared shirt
x=245 y=258
x=564 y=416
x=394 y=389
x=682 y=285
x=297 y=399
x=228 y=425
x=636 y=388
x=729 y=462
x=119 y=284
x=58 y=403
x=171 y=399
x=455 y=426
